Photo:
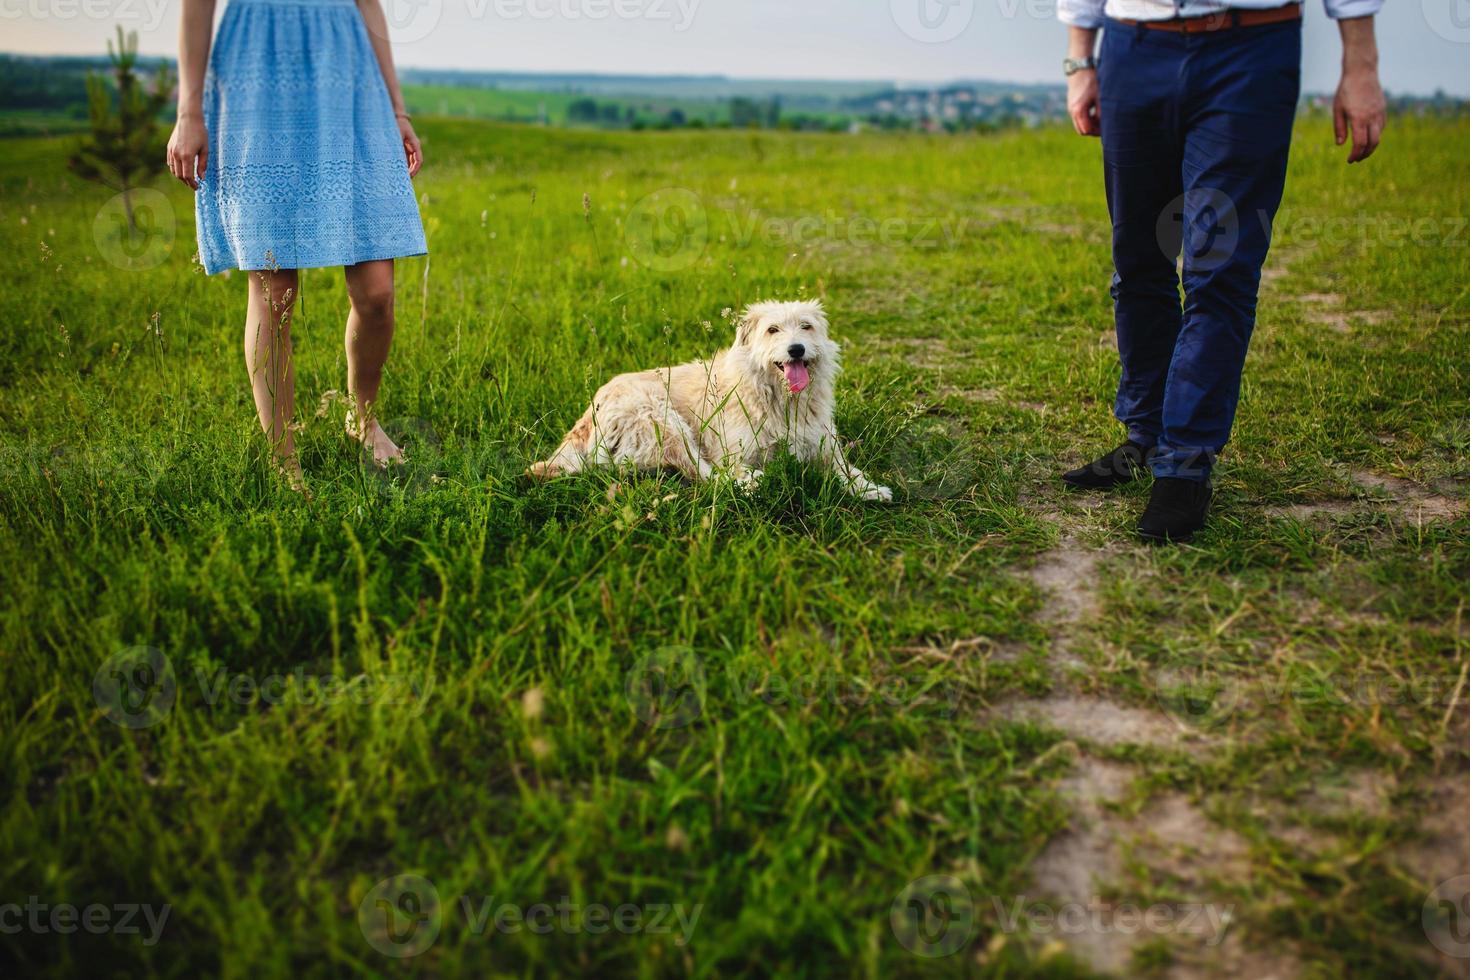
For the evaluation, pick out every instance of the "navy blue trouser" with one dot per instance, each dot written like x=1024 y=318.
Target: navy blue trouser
x=1196 y=129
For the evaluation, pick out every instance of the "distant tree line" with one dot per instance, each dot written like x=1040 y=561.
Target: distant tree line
x=739 y=113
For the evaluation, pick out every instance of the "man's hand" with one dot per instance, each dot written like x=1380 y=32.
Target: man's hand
x=1082 y=97
x=1082 y=102
x=1360 y=111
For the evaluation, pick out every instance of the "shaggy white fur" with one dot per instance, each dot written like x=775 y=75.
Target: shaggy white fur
x=725 y=416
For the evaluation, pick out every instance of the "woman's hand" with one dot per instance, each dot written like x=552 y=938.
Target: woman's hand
x=411 y=146
x=188 y=149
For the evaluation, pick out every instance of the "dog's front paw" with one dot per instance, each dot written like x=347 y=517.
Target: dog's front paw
x=877 y=494
x=750 y=480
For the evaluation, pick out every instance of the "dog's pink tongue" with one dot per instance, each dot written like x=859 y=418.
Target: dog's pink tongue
x=796 y=375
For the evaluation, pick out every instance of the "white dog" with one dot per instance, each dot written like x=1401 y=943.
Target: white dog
x=725 y=416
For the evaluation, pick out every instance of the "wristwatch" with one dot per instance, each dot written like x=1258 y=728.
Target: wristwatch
x=1071 y=66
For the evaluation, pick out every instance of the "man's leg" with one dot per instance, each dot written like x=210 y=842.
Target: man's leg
x=1243 y=90
x=1241 y=93
x=1142 y=155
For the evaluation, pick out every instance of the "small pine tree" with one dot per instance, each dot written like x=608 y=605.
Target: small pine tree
x=127 y=144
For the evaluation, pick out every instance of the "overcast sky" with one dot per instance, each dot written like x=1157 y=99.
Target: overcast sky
x=1425 y=43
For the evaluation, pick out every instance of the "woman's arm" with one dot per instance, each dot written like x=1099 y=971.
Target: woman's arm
x=377 y=27
x=188 y=148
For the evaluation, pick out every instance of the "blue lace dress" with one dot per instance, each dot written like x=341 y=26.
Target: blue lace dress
x=306 y=168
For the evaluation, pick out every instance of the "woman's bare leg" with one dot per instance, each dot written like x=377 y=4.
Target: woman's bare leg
x=369 y=338
x=269 y=361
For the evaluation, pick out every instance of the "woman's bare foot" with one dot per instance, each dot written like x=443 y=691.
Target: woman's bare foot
x=385 y=451
x=290 y=469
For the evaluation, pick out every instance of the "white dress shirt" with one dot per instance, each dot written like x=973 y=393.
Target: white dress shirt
x=1090 y=13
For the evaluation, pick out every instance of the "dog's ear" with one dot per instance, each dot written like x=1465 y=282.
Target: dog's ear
x=746 y=328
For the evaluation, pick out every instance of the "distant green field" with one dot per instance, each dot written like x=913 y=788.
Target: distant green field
x=29 y=122
x=762 y=724
x=516 y=105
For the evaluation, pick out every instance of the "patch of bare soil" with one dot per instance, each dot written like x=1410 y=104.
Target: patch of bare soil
x=1321 y=299
x=1362 y=792
x=1172 y=837
x=1442 y=849
x=1340 y=796
x=1055 y=228
x=1100 y=722
x=1279 y=262
x=1312 y=841
x=1235 y=957
x=1420 y=504
x=1179 y=840
x=1067 y=578
x=1067 y=574
x=1417 y=503
x=1340 y=321
x=1307 y=513
x=1441 y=852
x=1329 y=310
x=925 y=353
x=988 y=396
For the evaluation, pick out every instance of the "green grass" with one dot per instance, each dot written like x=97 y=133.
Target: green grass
x=494 y=629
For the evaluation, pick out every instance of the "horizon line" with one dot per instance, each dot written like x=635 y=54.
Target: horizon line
x=722 y=77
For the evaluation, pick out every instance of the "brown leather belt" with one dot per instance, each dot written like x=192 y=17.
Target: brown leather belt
x=1223 y=21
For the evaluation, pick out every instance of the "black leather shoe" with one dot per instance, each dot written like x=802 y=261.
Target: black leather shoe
x=1176 y=509
x=1123 y=465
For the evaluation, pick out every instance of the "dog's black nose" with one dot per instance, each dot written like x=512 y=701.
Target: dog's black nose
x=796 y=352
